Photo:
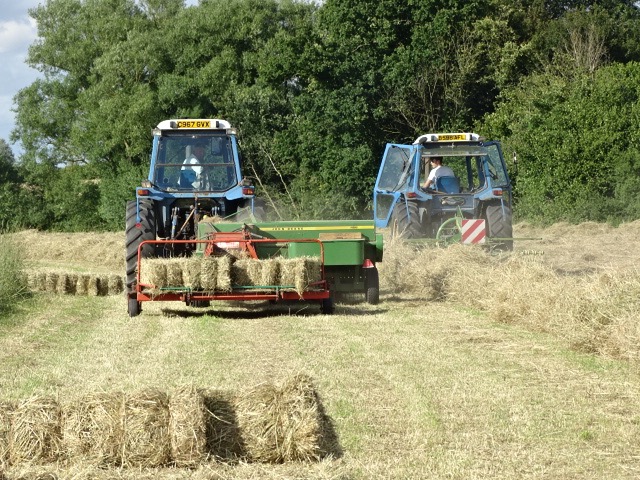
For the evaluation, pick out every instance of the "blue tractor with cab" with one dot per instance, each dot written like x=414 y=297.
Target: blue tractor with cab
x=472 y=203
x=195 y=171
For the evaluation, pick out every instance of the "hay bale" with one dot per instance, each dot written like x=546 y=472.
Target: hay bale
x=191 y=273
x=223 y=272
x=153 y=271
x=208 y=273
x=6 y=409
x=187 y=427
x=37 y=281
x=146 y=440
x=242 y=272
x=298 y=273
x=224 y=441
x=281 y=423
x=82 y=284
x=102 y=284
x=93 y=287
x=252 y=272
x=66 y=283
x=51 y=282
x=93 y=430
x=35 y=434
x=174 y=272
x=115 y=284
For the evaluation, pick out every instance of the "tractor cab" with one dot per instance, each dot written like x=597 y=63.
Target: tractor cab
x=416 y=202
x=195 y=160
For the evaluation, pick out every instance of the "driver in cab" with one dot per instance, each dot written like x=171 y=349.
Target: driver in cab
x=437 y=170
x=191 y=172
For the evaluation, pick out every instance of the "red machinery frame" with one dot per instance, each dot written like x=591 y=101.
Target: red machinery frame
x=246 y=243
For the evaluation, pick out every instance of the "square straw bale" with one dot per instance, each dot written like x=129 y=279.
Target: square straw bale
x=208 y=273
x=174 y=272
x=242 y=273
x=51 y=282
x=92 y=428
x=223 y=273
x=93 y=287
x=224 y=441
x=115 y=284
x=298 y=273
x=82 y=285
x=36 y=431
x=281 y=423
x=36 y=281
x=187 y=426
x=67 y=283
x=103 y=285
x=191 y=273
x=153 y=271
x=146 y=441
x=6 y=409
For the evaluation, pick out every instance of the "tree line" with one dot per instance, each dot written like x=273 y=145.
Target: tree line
x=317 y=89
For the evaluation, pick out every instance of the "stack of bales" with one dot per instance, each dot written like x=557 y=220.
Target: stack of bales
x=71 y=283
x=150 y=428
x=221 y=274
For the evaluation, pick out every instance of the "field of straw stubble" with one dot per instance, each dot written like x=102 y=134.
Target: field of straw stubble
x=521 y=365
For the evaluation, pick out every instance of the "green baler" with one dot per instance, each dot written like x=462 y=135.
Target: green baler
x=348 y=252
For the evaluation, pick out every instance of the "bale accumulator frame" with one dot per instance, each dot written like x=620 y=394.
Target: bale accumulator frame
x=347 y=252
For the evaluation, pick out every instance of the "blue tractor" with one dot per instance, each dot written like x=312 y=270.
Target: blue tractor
x=195 y=172
x=472 y=203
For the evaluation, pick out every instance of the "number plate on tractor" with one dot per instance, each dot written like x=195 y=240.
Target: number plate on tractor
x=194 y=123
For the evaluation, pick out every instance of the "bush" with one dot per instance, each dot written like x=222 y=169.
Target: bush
x=13 y=282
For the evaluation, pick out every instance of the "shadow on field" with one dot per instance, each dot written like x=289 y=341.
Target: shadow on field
x=254 y=311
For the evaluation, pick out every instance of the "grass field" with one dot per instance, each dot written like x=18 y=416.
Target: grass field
x=466 y=369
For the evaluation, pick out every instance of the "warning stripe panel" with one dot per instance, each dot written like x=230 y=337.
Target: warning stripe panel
x=473 y=231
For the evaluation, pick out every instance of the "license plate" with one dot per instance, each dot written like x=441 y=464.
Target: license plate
x=448 y=138
x=194 y=123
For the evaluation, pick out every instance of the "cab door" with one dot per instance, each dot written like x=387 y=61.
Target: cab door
x=397 y=175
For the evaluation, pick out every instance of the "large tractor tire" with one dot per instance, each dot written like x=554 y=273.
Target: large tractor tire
x=406 y=220
x=371 y=286
x=500 y=226
x=136 y=234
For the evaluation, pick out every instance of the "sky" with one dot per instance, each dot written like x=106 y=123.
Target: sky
x=17 y=32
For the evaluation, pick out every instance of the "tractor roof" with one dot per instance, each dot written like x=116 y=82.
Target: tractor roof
x=447 y=137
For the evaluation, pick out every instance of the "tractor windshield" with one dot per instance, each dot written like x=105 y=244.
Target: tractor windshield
x=471 y=164
x=188 y=163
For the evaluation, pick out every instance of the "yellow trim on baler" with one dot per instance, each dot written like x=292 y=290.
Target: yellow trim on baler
x=345 y=227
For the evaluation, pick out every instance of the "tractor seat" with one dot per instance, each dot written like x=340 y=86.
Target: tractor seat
x=448 y=184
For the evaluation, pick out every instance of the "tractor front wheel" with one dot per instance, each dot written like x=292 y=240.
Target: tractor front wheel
x=406 y=220
x=136 y=233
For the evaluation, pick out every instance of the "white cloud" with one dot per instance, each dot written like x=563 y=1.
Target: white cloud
x=17 y=35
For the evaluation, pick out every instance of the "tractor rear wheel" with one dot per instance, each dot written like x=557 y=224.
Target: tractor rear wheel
x=500 y=226
x=371 y=286
x=406 y=220
x=136 y=233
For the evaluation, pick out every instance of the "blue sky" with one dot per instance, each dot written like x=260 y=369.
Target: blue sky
x=17 y=32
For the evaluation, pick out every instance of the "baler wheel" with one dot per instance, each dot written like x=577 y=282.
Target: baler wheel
x=327 y=306
x=134 y=307
x=372 y=286
x=200 y=303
